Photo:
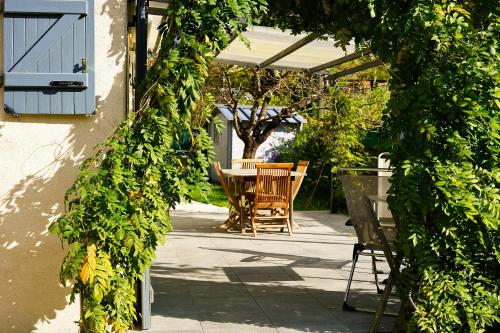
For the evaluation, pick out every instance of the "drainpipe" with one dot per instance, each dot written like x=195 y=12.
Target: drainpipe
x=141 y=40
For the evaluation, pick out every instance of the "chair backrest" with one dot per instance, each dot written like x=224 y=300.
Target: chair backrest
x=383 y=163
x=302 y=168
x=362 y=194
x=386 y=238
x=230 y=196
x=246 y=163
x=273 y=183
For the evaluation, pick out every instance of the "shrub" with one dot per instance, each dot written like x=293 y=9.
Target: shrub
x=335 y=139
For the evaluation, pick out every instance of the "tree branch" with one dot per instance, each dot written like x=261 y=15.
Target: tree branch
x=263 y=109
x=236 y=118
x=253 y=113
x=262 y=136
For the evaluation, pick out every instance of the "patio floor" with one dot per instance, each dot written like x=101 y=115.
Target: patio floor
x=208 y=280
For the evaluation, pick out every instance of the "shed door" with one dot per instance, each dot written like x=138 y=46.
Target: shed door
x=49 y=57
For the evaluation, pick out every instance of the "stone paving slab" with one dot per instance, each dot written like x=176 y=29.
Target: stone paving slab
x=208 y=280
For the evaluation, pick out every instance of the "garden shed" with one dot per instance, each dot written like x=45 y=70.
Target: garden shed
x=227 y=144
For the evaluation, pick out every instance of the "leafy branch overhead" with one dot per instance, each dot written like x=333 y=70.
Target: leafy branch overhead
x=117 y=211
x=444 y=118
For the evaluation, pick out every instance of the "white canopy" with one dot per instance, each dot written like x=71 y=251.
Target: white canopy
x=273 y=48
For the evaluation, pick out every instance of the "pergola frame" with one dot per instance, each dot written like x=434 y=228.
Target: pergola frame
x=139 y=19
x=157 y=7
x=318 y=69
x=289 y=50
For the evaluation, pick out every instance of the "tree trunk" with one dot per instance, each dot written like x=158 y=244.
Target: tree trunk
x=250 y=149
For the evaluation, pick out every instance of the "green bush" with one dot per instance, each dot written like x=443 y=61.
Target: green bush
x=334 y=140
x=443 y=116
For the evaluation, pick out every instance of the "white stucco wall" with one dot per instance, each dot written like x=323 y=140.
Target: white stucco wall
x=39 y=160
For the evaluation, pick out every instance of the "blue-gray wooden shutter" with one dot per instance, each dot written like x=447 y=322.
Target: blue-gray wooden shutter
x=49 y=56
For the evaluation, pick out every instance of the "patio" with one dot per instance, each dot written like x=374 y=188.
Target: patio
x=208 y=280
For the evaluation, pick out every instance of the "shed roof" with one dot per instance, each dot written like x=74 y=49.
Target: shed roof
x=244 y=112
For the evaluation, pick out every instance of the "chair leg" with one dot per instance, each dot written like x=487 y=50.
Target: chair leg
x=254 y=227
x=289 y=226
x=400 y=321
x=375 y=274
x=242 y=218
x=382 y=304
x=283 y=229
x=346 y=306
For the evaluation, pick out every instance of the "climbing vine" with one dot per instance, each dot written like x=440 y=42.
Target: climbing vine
x=443 y=114
x=444 y=118
x=117 y=211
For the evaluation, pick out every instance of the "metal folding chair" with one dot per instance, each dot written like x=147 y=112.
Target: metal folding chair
x=366 y=195
x=394 y=263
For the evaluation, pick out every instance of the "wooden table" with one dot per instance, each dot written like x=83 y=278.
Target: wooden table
x=251 y=174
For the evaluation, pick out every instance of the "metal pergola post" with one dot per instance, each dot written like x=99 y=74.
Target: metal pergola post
x=141 y=40
x=141 y=24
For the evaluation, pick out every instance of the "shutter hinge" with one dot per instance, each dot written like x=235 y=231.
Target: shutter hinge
x=84 y=65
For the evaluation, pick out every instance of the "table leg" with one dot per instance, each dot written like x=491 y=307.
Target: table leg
x=291 y=213
x=242 y=206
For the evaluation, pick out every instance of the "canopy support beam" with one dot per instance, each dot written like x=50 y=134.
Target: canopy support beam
x=356 y=69
x=292 y=48
x=339 y=61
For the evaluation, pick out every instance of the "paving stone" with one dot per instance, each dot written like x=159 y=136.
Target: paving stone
x=315 y=329
x=169 y=311
x=211 y=289
x=172 y=331
x=235 y=310
x=173 y=324
x=265 y=274
x=274 y=288
x=216 y=327
x=302 y=309
x=169 y=287
x=208 y=280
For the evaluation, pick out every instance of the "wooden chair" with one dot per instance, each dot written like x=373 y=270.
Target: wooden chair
x=272 y=193
x=235 y=217
x=249 y=185
x=302 y=168
x=246 y=163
